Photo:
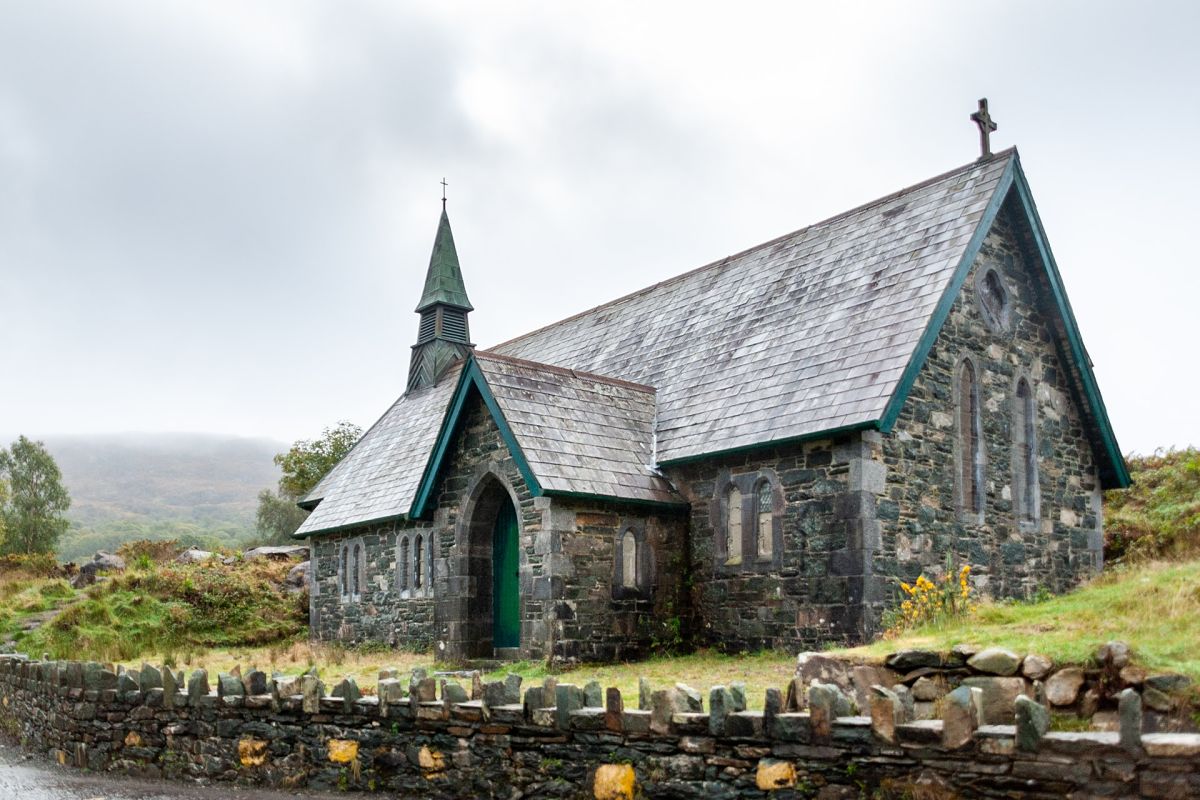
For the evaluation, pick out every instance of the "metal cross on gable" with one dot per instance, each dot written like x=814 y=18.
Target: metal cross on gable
x=986 y=125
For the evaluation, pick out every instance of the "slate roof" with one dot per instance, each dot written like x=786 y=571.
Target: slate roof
x=377 y=478
x=579 y=433
x=804 y=334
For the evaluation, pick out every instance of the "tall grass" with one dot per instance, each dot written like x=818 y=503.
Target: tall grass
x=1159 y=516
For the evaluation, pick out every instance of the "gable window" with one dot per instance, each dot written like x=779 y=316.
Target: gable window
x=629 y=559
x=970 y=441
x=733 y=526
x=764 y=520
x=1025 y=470
x=994 y=304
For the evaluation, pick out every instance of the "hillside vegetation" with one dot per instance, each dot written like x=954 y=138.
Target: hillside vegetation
x=155 y=608
x=197 y=489
x=1159 y=516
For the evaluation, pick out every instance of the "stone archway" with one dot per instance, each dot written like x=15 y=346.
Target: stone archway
x=490 y=511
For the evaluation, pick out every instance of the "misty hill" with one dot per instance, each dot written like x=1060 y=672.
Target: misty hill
x=199 y=488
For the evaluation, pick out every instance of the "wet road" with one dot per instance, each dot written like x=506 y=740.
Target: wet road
x=31 y=778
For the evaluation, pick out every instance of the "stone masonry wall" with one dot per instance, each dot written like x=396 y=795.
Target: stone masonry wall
x=567 y=550
x=565 y=741
x=921 y=524
x=811 y=593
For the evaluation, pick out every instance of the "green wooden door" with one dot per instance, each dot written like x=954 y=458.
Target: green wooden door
x=506 y=597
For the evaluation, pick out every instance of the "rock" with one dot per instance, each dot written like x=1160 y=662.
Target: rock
x=1169 y=683
x=1035 y=667
x=1129 y=707
x=823 y=669
x=908 y=660
x=929 y=689
x=197 y=686
x=1113 y=654
x=255 y=682
x=720 y=705
x=960 y=716
x=348 y=691
x=863 y=677
x=1133 y=675
x=826 y=702
x=278 y=552
x=688 y=699
x=961 y=652
x=453 y=692
x=1156 y=699
x=593 y=696
x=886 y=713
x=644 y=692
x=107 y=562
x=995 y=661
x=738 y=690
x=1062 y=688
x=1089 y=703
x=101 y=562
x=297 y=577
x=149 y=678
x=1033 y=720
x=512 y=688
x=230 y=685
x=999 y=695
x=194 y=555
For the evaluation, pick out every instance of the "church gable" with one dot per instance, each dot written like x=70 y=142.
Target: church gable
x=992 y=458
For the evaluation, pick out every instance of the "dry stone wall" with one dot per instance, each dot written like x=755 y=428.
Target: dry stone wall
x=428 y=737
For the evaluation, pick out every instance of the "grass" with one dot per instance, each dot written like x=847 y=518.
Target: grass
x=701 y=670
x=174 y=609
x=1153 y=606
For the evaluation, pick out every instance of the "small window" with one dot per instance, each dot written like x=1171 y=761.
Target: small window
x=629 y=559
x=344 y=572
x=402 y=564
x=418 y=564
x=970 y=433
x=765 y=520
x=1025 y=470
x=994 y=302
x=356 y=569
x=733 y=526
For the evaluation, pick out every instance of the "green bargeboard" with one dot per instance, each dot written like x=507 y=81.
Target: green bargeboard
x=506 y=597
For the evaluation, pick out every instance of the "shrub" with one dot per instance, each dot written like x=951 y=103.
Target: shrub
x=146 y=551
x=927 y=602
x=1159 y=516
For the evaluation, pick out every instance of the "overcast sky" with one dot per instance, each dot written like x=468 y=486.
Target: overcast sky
x=217 y=216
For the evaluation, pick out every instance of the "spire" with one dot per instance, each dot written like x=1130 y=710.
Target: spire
x=443 y=280
x=443 y=336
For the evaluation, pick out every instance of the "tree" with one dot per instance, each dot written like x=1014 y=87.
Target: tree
x=304 y=465
x=33 y=513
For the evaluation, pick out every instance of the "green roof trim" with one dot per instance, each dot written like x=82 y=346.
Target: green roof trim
x=470 y=380
x=444 y=281
x=1013 y=179
x=827 y=433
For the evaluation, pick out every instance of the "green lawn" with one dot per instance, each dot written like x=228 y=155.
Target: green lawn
x=1154 y=607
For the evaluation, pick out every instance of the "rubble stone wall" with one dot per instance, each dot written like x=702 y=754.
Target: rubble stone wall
x=429 y=738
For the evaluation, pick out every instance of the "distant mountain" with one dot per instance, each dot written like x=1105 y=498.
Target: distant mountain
x=189 y=486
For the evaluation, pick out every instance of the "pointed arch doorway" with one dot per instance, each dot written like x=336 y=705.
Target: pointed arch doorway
x=490 y=615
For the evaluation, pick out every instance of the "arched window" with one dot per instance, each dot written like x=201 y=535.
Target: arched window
x=356 y=570
x=402 y=563
x=733 y=526
x=970 y=435
x=629 y=559
x=418 y=564
x=344 y=572
x=764 y=520
x=1025 y=471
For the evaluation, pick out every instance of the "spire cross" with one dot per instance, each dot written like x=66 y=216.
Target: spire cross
x=986 y=125
x=444 y=185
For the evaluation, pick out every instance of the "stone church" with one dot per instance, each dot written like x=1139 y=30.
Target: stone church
x=748 y=455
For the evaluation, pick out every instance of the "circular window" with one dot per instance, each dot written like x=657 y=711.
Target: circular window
x=994 y=301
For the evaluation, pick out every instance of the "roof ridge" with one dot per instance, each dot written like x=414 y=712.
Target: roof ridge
x=575 y=373
x=1011 y=151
